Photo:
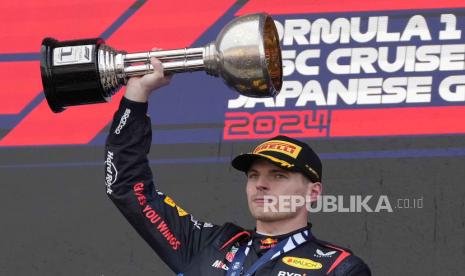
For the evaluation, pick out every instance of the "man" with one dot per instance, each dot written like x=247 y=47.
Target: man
x=281 y=244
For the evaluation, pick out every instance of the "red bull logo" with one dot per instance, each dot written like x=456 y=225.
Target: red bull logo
x=268 y=243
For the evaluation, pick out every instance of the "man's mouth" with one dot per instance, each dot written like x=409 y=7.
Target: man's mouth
x=261 y=199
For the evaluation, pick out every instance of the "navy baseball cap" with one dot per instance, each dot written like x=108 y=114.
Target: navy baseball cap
x=285 y=152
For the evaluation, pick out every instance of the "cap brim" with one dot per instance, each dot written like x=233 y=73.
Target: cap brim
x=244 y=161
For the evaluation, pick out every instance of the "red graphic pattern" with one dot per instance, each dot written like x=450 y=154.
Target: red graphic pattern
x=78 y=125
x=20 y=85
x=398 y=121
x=146 y=28
x=321 y=6
x=25 y=23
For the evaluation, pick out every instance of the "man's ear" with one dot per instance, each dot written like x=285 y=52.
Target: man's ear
x=314 y=190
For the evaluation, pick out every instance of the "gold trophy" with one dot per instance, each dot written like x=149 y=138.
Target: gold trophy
x=246 y=54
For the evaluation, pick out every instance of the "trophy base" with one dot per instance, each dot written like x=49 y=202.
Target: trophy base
x=70 y=73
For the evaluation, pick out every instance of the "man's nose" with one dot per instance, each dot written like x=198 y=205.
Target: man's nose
x=262 y=183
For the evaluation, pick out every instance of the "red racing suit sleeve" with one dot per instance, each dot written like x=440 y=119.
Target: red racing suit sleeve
x=172 y=233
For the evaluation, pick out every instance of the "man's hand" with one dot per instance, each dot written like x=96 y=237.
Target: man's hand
x=139 y=89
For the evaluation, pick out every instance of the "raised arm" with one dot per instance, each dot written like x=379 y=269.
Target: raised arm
x=173 y=233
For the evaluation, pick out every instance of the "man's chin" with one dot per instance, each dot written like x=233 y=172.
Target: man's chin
x=271 y=216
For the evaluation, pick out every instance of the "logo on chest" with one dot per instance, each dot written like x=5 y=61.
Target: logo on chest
x=220 y=264
x=321 y=254
x=231 y=253
x=302 y=263
x=285 y=273
x=229 y=257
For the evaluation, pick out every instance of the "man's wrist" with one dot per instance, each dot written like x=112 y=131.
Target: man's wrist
x=137 y=98
x=136 y=94
x=137 y=109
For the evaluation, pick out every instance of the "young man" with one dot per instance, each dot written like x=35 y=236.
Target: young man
x=281 y=244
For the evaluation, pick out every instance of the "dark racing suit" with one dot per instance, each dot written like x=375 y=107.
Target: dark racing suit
x=190 y=247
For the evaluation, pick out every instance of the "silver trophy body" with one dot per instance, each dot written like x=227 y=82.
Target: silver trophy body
x=246 y=55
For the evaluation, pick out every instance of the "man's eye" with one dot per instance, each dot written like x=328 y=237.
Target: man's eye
x=280 y=176
x=252 y=176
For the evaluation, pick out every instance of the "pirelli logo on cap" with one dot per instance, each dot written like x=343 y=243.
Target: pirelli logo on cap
x=283 y=147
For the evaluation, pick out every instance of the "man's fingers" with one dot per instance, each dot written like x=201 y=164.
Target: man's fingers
x=157 y=66
x=168 y=77
x=156 y=63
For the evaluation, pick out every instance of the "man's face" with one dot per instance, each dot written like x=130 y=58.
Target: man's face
x=266 y=179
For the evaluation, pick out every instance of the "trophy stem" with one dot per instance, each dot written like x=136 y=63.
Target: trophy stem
x=173 y=61
x=171 y=66
x=165 y=55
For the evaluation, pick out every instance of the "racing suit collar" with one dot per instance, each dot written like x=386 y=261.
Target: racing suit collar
x=255 y=234
x=262 y=243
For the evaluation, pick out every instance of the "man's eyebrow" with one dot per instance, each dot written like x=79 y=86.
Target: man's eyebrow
x=272 y=171
x=279 y=171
